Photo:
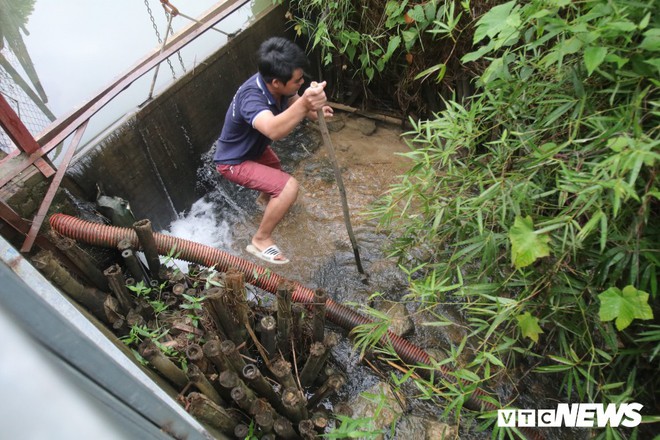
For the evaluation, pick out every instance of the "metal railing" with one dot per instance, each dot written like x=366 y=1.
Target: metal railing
x=33 y=150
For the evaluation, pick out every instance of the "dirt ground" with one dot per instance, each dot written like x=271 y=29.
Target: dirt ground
x=314 y=230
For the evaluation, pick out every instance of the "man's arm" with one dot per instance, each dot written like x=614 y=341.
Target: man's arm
x=311 y=114
x=278 y=127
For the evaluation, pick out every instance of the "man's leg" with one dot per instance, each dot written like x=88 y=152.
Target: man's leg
x=279 y=187
x=275 y=210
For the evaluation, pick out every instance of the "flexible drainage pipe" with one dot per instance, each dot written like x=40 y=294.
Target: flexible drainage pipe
x=109 y=236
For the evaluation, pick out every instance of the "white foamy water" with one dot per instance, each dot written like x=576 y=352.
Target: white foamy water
x=201 y=225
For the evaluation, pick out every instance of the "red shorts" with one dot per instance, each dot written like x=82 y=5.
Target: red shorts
x=263 y=174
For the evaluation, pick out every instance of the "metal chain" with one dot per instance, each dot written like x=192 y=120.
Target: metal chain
x=160 y=40
x=178 y=52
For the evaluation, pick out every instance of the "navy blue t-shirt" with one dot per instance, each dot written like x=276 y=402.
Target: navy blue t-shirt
x=239 y=140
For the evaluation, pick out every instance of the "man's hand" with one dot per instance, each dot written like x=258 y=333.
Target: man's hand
x=314 y=97
x=328 y=111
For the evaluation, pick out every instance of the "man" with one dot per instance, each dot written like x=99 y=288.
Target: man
x=266 y=108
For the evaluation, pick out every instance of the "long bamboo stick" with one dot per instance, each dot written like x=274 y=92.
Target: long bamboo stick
x=340 y=184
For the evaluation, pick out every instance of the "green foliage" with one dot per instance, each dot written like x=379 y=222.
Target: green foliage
x=363 y=427
x=536 y=202
x=529 y=326
x=383 y=43
x=193 y=304
x=624 y=306
x=527 y=245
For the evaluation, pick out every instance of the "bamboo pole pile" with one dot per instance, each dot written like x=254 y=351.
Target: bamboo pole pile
x=240 y=367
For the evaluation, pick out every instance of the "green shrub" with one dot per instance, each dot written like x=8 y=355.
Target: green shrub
x=536 y=201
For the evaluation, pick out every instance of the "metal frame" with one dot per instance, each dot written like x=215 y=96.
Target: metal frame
x=60 y=328
x=62 y=128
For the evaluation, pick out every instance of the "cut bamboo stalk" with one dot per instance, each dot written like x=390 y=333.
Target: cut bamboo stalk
x=135 y=319
x=281 y=369
x=81 y=259
x=229 y=380
x=214 y=354
x=162 y=363
x=178 y=289
x=320 y=420
x=331 y=385
x=284 y=318
x=197 y=378
x=318 y=315
x=284 y=429
x=195 y=355
x=242 y=431
x=205 y=410
x=243 y=398
x=237 y=299
x=118 y=286
x=97 y=302
x=216 y=305
x=269 y=335
x=261 y=405
x=297 y=322
x=313 y=365
x=264 y=421
x=294 y=404
x=145 y=236
x=306 y=428
x=228 y=348
x=133 y=265
x=257 y=382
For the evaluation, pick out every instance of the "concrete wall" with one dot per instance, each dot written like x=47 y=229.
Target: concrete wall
x=153 y=158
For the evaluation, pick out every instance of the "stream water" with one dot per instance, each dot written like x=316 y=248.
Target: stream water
x=314 y=237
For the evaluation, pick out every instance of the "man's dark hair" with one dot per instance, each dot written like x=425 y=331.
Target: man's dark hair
x=279 y=57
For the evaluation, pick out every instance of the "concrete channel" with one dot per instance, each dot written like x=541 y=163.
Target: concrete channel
x=84 y=383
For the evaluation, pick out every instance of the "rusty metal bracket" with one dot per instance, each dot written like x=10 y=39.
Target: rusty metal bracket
x=169 y=8
x=54 y=185
x=21 y=137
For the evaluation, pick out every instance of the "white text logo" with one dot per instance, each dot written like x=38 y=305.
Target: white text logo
x=574 y=415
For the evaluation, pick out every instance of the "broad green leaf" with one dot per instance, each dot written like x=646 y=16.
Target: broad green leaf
x=417 y=13
x=624 y=306
x=622 y=25
x=572 y=45
x=618 y=143
x=529 y=326
x=655 y=62
x=498 y=19
x=472 y=56
x=651 y=40
x=527 y=246
x=391 y=47
x=593 y=57
x=410 y=37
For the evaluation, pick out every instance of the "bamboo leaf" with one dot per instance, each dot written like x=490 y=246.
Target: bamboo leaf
x=593 y=57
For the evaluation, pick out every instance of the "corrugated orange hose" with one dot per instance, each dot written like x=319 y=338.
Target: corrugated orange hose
x=109 y=236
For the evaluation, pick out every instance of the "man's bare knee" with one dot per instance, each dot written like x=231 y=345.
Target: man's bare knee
x=291 y=188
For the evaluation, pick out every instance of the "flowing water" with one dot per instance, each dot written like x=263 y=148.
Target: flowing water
x=313 y=235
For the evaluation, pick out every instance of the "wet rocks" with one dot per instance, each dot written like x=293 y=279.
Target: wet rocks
x=366 y=126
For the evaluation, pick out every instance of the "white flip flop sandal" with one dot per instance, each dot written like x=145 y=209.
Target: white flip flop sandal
x=269 y=254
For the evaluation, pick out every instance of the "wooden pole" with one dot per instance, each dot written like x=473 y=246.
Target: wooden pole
x=340 y=184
